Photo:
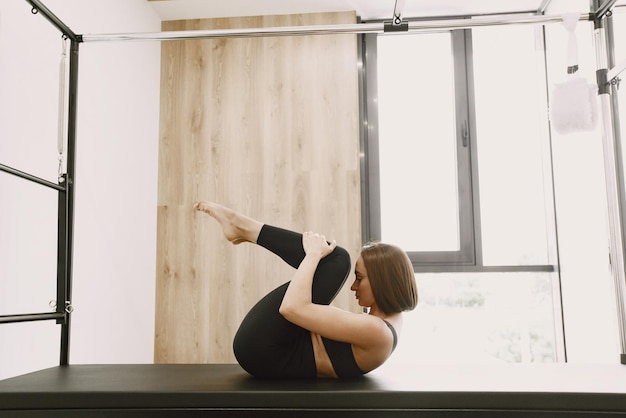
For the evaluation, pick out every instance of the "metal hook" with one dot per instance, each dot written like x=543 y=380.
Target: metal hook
x=34 y=10
x=397 y=12
x=60 y=170
x=64 y=39
x=397 y=24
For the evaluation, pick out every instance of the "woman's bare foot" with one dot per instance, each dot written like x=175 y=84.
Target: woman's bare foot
x=237 y=228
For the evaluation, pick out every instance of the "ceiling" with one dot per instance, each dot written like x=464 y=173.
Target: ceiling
x=366 y=9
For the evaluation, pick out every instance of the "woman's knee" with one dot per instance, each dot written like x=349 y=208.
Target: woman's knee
x=341 y=257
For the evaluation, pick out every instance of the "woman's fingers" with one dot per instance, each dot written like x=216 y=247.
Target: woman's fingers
x=314 y=242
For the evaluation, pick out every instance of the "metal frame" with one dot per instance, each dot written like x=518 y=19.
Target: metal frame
x=65 y=187
x=357 y=28
x=32 y=178
x=613 y=161
x=469 y=257
x=66 y=183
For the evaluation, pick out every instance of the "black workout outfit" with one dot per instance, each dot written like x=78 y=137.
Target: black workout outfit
x=341 y=356
x=266 y=344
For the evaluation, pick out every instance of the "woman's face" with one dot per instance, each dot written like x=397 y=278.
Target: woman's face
x=361 y=285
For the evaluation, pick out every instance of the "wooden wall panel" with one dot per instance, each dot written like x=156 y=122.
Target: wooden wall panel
x=268 y=126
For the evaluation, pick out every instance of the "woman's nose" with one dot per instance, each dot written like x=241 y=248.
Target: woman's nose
x=354 y=285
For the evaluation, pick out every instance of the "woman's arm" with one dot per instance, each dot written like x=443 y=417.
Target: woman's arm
x=297 y=306
x=299 y=291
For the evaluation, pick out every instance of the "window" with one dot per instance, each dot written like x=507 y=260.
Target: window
x=458 y=150
x=419 y=130
x=480 y=318
x=513 y=152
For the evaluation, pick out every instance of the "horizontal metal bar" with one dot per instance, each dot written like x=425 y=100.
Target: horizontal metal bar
x=356 y=28
x=238 y=33
x=30 y=177
x=470 y=268
x=8 y=319
x=39 y=7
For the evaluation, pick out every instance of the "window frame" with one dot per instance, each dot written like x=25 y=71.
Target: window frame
x=469 y=256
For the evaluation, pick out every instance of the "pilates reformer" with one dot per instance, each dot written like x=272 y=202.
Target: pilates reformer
x=175 y=390
x=226 y=390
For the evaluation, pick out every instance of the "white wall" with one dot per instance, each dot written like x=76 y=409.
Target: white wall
x=116 y=184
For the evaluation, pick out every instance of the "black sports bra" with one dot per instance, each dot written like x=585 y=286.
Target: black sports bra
x=342 y=358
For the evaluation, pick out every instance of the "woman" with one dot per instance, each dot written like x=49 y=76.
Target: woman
x=293 y=332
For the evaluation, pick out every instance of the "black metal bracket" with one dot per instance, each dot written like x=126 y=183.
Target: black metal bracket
x=392 y=26
x=601 y=79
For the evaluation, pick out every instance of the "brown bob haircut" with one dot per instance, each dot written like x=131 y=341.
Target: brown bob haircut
x=391 y=276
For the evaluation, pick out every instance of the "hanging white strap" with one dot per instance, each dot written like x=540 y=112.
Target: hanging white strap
x=570 y=21
x=62 y=95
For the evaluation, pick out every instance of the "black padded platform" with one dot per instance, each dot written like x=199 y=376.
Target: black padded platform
x=226 y=390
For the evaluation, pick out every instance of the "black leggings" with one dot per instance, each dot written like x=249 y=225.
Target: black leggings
x=266 y=344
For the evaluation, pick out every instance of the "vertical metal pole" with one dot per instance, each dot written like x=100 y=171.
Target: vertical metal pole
x=69 y=202
x=614 y=185
x=62 y=251
x=554 y=255
x=616 y=130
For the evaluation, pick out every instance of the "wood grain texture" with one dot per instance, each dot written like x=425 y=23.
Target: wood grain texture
x=269 y=127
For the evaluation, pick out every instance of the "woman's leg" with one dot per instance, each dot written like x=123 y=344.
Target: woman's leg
x=331 y=273
x=266 y=344
x=237 y=228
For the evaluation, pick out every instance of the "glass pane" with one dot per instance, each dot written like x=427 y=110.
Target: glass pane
x=480 y=318
x=418 y=176
x=513 y=163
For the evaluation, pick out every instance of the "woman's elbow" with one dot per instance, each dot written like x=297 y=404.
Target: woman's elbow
x=286 y=310
x=296 y=313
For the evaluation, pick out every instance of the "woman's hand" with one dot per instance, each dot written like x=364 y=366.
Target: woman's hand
x=297 y=306
x=316 y=244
